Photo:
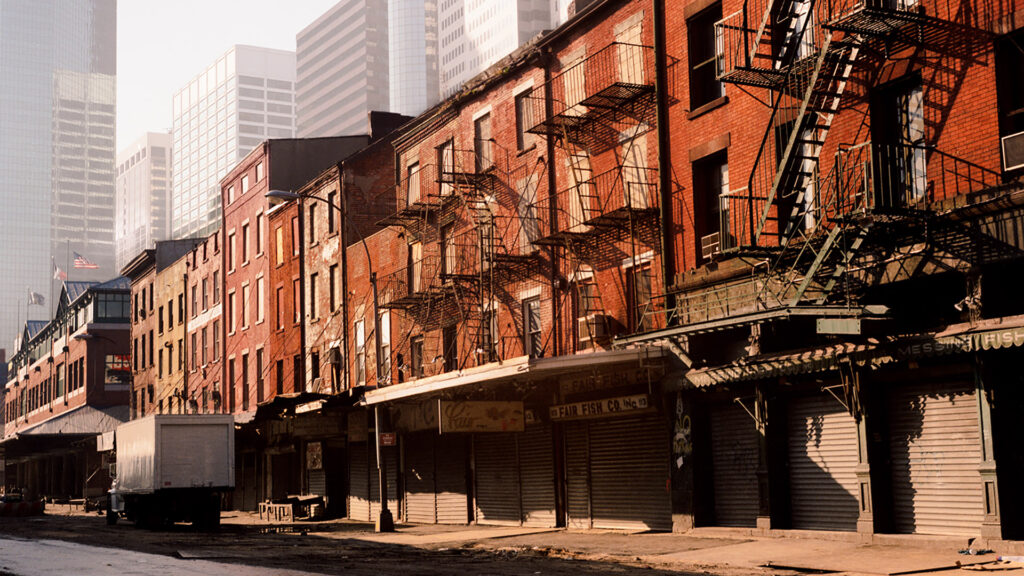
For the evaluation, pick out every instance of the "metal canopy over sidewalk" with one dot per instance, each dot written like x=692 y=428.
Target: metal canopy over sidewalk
x=82 y=421
x=519 y=368
x=991 y=334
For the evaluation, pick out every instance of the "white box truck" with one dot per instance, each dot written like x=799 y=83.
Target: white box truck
x=173 y=468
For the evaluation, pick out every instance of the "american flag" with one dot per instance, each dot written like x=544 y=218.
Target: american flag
x=83 y=262
x=59 y=274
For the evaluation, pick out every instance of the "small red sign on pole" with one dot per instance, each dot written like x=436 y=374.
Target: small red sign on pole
x=388 y=439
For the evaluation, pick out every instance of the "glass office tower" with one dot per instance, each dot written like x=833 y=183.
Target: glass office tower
x=57 y=112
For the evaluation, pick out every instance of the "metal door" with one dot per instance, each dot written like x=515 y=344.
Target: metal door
x=577 y=475
x=935 y=450
x=629 y=474
x=497 y=479
x=822 y=464
x=391 y=471
x=420 y=499
x=734 y=456
x=537 y=476
x=358 y=482
x=452 y=498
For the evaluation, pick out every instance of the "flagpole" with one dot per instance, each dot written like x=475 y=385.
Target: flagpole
x=53 y=264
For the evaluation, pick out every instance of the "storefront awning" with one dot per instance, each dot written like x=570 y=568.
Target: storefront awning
x=967 y=337
x=520 y=368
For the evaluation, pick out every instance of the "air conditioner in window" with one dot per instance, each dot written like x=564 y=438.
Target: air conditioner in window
x=591 y=327
x=710 y=245
x=1013 y=151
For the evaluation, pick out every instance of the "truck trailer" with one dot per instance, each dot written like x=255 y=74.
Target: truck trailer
x=173 y=468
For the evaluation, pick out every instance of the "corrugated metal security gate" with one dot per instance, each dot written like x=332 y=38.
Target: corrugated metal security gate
x=822 y=464
x=452 y=497
x=537 y=476
x=617 y=474
x=391 y=472
x=629 y=474
x=497 y=479
x=935 y=451
x=734 y=455
x=358 y=481
x=420 y=500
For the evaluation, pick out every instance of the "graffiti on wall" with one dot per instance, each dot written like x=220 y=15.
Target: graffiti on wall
x=682 y=433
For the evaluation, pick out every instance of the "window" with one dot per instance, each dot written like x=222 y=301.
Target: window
x=639 y=297
x=231 y=195
x=216 y=286
x=195 y=300
x=482 y=142
x=312 y=224
x=245 y=183
x=448 y=259
x=170 y=314
x=259 y=234
x=181 y=308
x=279 y=246
x=245 y=243
x=314 y=372
x=159 y=364
x=280 y=377
x=898 y=142
x=296 y=237
x=280 y=307
x=416 y=356
x=216 y=340
x=450 y=344
x=312 y=296
x=412 y=179
x=533 y=346
x=332 y=200
x=231 y=313
x=1010 y=83
x=230 y=385
x=524 y=119
x=245 y=382
x=160 y=320
x=714 y=226
x=152 y=345
x=297 y=373
x=245 y=306
x=333 y=286
x=385 y=349
x=195 y=351
x=415 y=266
x=202 y=348
x=260 y=393
x=231 y=251
x=259 y=171
x=260 y=308
x=586 y=307
x=704 y=86
x=297 y=301
x=206 y=290
x=446 y=160
x=360 y=330
x=181 y=351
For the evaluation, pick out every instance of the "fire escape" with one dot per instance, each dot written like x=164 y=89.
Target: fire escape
x=805 y=228
x=597 y=103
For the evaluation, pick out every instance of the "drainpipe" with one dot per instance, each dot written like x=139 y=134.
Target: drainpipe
x=184 y=337
x=549 y=110
x=661 y=89
x=343 y=248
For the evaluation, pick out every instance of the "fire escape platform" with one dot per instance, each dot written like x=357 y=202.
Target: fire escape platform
x=754 y=76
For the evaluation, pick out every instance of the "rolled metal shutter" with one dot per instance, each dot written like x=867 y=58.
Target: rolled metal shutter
x=391 y=471
x=822 y=464
x=358 y=482
x=537 y=476
x=497 y=479
x=935 y=451
x=318 y=482
x=734 y=461
x=577 y=475
x=629 y=474
x=420 y=497
x=452 y=498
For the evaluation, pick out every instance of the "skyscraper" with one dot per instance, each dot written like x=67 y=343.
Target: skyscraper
x=414 y=82
x=473 y=34
x=58 y=67
x=143 y=214
x=244 y=97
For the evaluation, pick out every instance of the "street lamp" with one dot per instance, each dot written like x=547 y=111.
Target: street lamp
x=385 y=522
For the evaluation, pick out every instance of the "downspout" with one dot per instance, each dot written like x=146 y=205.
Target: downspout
x=661 y=89
x=549 y=111
x=184 y=337
x=343 y=248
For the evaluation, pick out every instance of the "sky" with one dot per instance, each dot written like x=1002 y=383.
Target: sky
x=162 y=44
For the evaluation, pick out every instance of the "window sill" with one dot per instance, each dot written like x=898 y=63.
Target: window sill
x=707 y=107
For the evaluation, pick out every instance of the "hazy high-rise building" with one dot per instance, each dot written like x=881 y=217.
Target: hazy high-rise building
x=412 y=56
x=58 y=65
x=143 y=214
x=473 y=34
x=245 y=97
x=342 y=72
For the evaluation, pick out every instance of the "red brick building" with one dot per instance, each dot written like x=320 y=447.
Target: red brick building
x=68 y=381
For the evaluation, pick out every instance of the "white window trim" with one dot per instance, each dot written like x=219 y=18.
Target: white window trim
x=528 y=85
x=638 y=260
x=481 y=112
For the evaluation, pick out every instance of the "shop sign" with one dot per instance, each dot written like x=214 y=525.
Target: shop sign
x=599 y=408
x=414 y=417
x=388 y=439
x=479 y=416
x=317 y=425
x=992 y=339
x=591 y=382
